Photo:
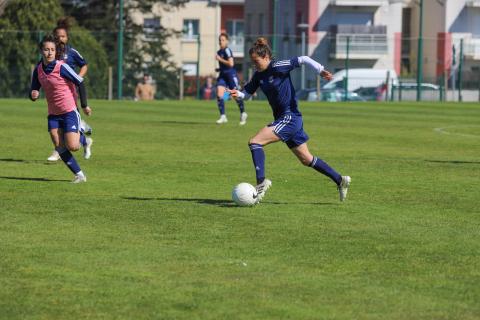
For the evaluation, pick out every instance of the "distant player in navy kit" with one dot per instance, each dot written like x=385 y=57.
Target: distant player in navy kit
x=227 y=79
x=273 y=77
x=75 y=60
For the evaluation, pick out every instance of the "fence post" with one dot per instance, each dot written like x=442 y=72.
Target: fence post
x=460 y=63
x=387 y=83
x=346 y=68
x=110 y=83
x=318 y=87
x=400 y=90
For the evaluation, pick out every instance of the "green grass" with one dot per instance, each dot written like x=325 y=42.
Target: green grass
x=154 y=234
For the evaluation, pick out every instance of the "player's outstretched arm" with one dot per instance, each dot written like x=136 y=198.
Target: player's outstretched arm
x=238 y=95
x=316 y=66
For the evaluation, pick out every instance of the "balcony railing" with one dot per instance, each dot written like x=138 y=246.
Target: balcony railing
x=472 y=48
x=356 y=3
x=362 y=46
x=237 y=45
x=473 y=3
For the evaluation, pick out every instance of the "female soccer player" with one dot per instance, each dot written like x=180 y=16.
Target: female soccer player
x=273 y=77
x=75 y=60
x=58 y=81
x=227 y=78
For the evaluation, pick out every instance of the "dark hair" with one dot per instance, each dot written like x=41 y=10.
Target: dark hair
x=63 y=23
x=261 y=48
x=59 y=47
x=223 y=34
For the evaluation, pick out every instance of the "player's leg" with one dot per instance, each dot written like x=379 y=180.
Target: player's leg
x=262 y=138
x=69 y=140
x=85 y=141
x=306 y=158
x=233 y=84
x=220 y=102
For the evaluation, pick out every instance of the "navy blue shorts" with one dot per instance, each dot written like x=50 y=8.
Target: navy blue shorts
x=289 y=128
x=229 y=81
x=69 y=122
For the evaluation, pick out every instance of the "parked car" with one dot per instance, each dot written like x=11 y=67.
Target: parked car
x=332 y=95
x=357 y=78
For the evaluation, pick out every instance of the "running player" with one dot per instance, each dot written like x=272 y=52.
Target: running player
x=58 y=81
x=273 y=77
x=227 y=79
x=75 y=60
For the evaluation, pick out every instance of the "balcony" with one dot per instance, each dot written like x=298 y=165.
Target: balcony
x=366 y=42
x=237 y=45
x=357 y=3
x=472 y=48
x=473 y=3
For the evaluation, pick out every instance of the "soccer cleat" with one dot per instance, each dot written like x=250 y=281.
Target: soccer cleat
x=79 y=178
x=243 y=118
x=87 y=152
x=343 y=187
x=55 y=156
x=222 y=119
x=86 y=128
x=262 y=189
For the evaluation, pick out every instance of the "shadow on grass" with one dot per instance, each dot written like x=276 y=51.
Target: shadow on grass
x=32 y=179
x=180 y=122
x=453 y=161
x=220 y=203
x=26 y=161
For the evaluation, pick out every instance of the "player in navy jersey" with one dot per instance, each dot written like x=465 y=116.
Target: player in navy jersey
x=227 y=79
x=59 y=82
x=273 y=78
x=75 y=60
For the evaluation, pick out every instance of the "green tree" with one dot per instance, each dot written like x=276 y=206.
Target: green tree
x=141 y=54
x=22 y=25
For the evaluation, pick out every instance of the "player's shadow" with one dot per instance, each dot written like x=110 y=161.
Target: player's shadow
x=32 y=179
x=214 y=202
x=453 y=161
x=24 y=161
x=217 y=202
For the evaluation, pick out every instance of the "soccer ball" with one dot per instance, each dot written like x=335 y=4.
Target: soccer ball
x=244 y=194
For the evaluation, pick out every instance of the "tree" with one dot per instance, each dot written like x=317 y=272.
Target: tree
x=22 y=25
x=140 y=53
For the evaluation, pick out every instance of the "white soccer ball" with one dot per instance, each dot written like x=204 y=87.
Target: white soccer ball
x=244 y=194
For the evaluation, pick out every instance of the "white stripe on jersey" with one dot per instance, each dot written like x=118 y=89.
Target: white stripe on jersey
x=282 y=63
x=229 y=53
x=282 y=123
x=71 y=49
x=72 y=73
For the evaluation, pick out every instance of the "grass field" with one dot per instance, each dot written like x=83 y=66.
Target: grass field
x=153 y=234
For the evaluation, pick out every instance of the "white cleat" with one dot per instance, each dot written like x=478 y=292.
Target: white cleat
x=243 y=118
x=79 y=178
x=85 y=128
x=262 y=189
x=222 y=119
x=343 y=187
x=87 y=151
x=55 y=156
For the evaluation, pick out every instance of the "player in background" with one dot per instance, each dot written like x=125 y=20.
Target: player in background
x=273 y=78
x=58 y=80
x=75 y=60
x=227 y=79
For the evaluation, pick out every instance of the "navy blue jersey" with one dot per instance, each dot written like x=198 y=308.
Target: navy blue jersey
x=65 y=72
x=277 y=85
x=225 y=54
x=73 y=58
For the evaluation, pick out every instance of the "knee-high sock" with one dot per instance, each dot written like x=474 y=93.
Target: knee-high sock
x=258 y=157
x=69 y=160
x=322 y=167
x=83 y=139
x=241 y=106
x=221 y=106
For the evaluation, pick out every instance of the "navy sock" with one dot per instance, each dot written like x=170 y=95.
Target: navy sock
x=323 y=167
x=221 y=106
x=69 y=160
x=241 y=106
x=83 y=139
x=258 y=157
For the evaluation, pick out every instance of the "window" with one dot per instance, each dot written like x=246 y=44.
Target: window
x=190 y=29
x=150 y=27
x=235 y=28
